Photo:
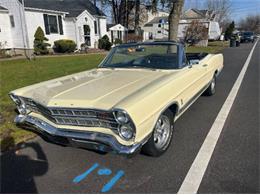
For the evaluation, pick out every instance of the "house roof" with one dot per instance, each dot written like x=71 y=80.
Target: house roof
x=200 y=12
x=73 y=7
x=3 y=8
x=189 y=14
x=109 y=26
x=156 y=20
x=118 y=27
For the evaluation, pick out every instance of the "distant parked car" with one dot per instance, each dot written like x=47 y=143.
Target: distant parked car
x=247 y=37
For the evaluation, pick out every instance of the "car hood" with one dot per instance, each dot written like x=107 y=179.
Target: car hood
x=98 y=88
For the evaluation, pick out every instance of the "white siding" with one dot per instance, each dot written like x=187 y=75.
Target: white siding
x=19 y=31
x=69 y=27
x=34 y=20
x=214 y=31
x=103 y=26
x=151 y=15
x=5 y=30
x=86 y=19
x=148 y=31
x=26 y=23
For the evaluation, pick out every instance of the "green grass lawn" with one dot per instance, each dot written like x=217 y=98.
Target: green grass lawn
x=19 y=73
x=213 y=47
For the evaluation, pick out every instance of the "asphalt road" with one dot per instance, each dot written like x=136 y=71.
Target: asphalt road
x=40 y=167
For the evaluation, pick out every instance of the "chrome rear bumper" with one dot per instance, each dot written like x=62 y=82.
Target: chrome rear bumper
x=67 y=137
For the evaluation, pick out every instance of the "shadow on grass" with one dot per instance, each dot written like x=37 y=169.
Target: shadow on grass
x=7 y=143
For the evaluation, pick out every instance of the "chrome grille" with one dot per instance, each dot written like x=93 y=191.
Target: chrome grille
x=76 y=117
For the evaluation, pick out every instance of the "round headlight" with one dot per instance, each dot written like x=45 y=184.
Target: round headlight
x=121 y=117
x=126 y=132
x=16 y=100
x=22 y=109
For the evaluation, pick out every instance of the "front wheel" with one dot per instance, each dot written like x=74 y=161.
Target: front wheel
x=161 y=137
x=212 y=87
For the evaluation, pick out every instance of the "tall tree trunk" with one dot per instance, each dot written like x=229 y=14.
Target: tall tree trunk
x=137 y=16
x=115 y=14
x=122 y=12
x=95 y=2
x=174 y=19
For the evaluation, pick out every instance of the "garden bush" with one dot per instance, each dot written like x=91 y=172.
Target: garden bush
x=118 y=41
x=132 y=38
x=39 y=43
x=104 y=43
x=64 y=46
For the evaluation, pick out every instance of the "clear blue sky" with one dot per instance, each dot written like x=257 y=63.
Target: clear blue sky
x=240 y=8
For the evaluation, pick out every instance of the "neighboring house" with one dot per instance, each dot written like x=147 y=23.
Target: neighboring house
x=157 y=28
x=146 y=15
x=5 y=29
x=78 y=20
x=116 y=31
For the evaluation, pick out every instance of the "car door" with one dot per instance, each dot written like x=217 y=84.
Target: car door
x=202 y=79
x=191 y=84
x=194 y=82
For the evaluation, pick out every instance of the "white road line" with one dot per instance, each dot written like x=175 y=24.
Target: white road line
x=194 y=177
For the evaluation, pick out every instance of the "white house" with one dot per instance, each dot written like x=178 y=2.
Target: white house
x=78 y=20
x=5 y=28
x=157 y=28
x=117 y=31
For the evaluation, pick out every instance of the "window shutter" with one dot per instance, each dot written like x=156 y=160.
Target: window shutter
x=46 y=24
x=60 y=25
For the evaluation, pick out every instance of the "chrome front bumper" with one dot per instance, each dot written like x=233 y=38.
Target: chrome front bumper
x=67 y=137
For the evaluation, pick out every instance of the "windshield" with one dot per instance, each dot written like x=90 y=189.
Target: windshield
x=248 y=33
x=155 y=56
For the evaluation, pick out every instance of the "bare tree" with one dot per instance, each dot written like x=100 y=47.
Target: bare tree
x=137 y=16
x=221 y=7
x=251 y=23
x=196 y=32
x=174 y=18
x=120 y=10
x=175 y=8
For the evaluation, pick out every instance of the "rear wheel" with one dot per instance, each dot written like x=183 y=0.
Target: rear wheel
x=161 y=137
x=212 y=87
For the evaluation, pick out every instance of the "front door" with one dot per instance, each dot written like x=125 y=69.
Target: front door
x=87 y=34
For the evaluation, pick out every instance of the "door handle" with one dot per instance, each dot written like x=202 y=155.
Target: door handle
x=204 y=65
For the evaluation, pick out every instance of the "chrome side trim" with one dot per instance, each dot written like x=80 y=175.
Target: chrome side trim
x=192 y=100
x=87 y=139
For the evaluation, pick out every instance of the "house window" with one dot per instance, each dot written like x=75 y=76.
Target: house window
x=12 y=21
x=86 y=29
x=53 y=24
x=150 y=35
x=95 y=27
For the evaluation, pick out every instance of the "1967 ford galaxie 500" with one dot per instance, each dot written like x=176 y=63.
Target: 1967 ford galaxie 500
x=130 y=102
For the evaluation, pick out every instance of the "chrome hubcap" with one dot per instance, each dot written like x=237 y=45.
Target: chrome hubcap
x=162 y=132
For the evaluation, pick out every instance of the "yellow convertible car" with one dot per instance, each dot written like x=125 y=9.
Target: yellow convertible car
x=129 y=103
